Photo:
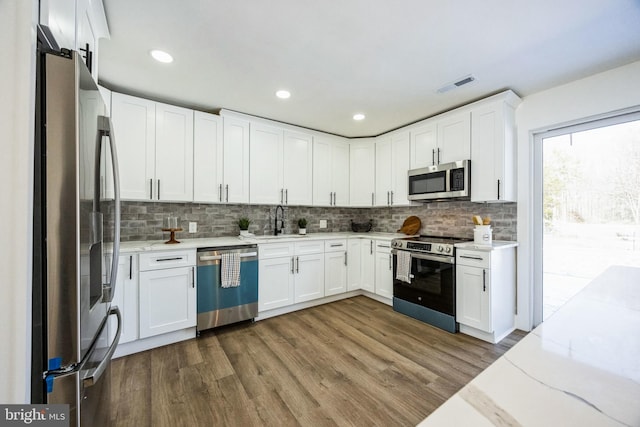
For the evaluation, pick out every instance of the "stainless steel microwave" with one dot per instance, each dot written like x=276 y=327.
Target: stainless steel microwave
x=444 y=181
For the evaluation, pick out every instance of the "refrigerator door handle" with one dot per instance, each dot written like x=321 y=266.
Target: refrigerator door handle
x=105 y=128
x=94 y=375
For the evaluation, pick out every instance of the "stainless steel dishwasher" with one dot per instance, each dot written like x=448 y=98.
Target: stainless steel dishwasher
x=219 y=306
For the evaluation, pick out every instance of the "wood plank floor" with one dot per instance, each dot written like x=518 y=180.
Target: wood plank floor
x=354 y=362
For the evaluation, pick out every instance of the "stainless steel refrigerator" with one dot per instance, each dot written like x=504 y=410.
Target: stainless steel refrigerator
x=76 y=241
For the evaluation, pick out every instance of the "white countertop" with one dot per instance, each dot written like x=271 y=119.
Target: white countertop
x=581 y=367
x=160 y=245
x=496 y=244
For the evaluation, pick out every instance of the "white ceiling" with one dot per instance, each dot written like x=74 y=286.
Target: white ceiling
x=384 y=59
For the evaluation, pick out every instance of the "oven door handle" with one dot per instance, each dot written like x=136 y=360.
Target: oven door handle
x=436 y=258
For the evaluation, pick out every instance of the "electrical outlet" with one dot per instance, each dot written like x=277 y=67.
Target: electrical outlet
x=193 y=227
x=323 y=223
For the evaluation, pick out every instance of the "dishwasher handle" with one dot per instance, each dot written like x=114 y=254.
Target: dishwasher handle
x=219 y=257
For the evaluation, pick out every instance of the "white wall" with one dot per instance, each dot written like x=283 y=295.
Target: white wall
x=592 y=97
x=17 y=86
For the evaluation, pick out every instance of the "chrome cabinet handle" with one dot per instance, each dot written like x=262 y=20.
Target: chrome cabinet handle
x=438 y=156
x=388 y=199
x=433 y=156
x=220 y=193
x=498 y=189
x=390 y=262
x=150 y=189
x=130 y=267
x=286 y=196
x=477 y=258
x=281 y=195
x=345 y=258
x=169 y=259
x=227 y=188
x=158 y=189
x=372 y=199
x=193 y=277
x=484 y=280
x=371 y=249
x=297 y=264
x=391 y=198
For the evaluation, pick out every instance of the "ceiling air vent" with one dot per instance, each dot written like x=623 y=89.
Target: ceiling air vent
x=461 y=82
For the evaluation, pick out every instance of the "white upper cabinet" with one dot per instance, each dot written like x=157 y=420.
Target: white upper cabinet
x=297 y=169
x=442 y=139
x=174 y=153
x=266 y=144
x=77 y=25
x=392 y=164
x=235 y=187
x=134 y=122
x=155 y=149
x=330 y=171
x=362 y=157
x=493 y=153
x=281 y=166
x=207 y=158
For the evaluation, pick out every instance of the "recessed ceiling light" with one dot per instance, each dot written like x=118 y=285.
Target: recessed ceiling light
x=358 y=116
x=283 y=94
x=161 y=56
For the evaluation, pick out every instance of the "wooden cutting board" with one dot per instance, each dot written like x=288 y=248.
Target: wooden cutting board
x=411 y=225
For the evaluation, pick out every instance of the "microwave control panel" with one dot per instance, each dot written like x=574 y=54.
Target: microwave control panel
x=456 y=179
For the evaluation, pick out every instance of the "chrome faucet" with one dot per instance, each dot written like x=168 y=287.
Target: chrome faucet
x=278 y=229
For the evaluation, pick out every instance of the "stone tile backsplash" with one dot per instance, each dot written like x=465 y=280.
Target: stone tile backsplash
x=144 y=220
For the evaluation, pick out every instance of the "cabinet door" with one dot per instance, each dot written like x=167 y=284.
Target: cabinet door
x=340 y=173
x=266 y=165
x=473 y=301
x=383 y=172
x=134 y=122
x=492 y=154
x=236 y=161
x=86 y=39
x=424 y=142
x=297 y=168
x=309 y=277
x=322 y=166
x=454 y=138
x=353 y=263
x=207 y=158
x=126 y=298
x=362 y=173
x=275 y=283
x=335 y=273
x=60 y=17
x=399 y=166
x=167 y=300
x=384 y=274
x=368 y=266
x=174 y=153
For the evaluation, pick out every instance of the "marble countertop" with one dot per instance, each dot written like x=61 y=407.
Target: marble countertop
x=159 y=245
x=580 y=367
x=496 y=244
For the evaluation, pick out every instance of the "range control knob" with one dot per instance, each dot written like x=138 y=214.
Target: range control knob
x=448 y=249
x=440 y=248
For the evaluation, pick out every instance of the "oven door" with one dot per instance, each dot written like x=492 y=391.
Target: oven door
x=432 y=282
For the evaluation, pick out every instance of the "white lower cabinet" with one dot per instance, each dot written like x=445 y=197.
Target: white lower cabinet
x=335 y=267
x=290 y=273
x=486 y=292
x=126 y=298
x=368 y=265
x=167 y=292
x=384 y=269
x=353 y=264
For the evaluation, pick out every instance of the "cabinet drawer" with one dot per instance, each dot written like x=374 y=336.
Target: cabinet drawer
x=166 y=259
x=473 y=258
x=275 y=250
x=335 y=245
x=309 y=247
x=382 y=246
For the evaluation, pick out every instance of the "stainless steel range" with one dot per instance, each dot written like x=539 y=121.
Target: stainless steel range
x=424 y=279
